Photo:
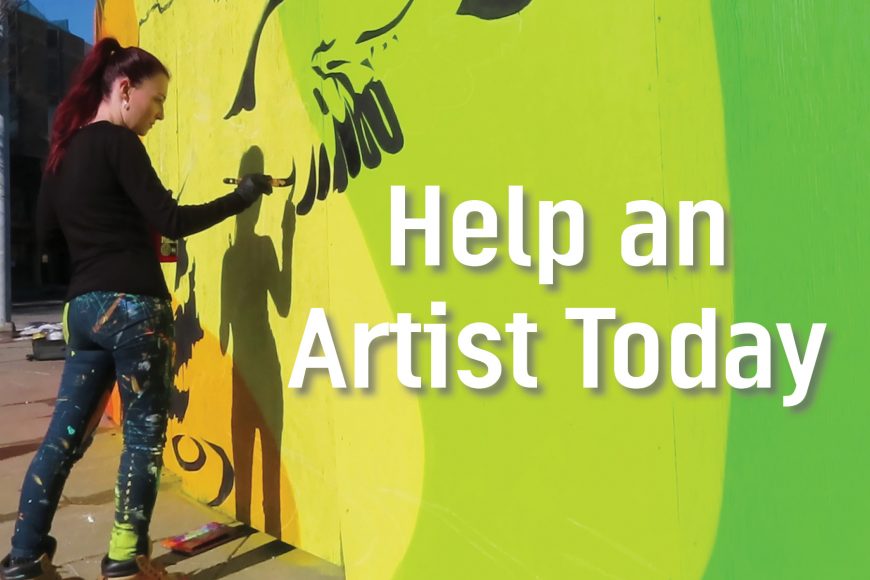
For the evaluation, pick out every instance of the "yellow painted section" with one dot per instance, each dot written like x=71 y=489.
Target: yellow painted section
x=379 y=440
x=117 y=18
x=367 y=515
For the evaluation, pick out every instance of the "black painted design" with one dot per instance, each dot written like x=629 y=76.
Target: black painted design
x=194 y=465
x=179 y=401
x=228 y=475
x=291 y=179
x=367 y=124
x=246 y=97
x=324 y=46
x=157 y=7
x=182 y=261
x=308 y=199
x=318 y=96
x=491 y=9
x=370 y=34
x=188 y=330
x=325 y=174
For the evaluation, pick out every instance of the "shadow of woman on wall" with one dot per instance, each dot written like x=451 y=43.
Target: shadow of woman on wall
x=251 y=274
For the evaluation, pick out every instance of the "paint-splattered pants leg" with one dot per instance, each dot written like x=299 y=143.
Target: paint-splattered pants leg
x=112 y=336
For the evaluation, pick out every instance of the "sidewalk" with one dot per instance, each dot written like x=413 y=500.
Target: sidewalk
x=84 y=518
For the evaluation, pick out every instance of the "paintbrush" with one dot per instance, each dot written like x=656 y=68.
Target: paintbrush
x=275 y=182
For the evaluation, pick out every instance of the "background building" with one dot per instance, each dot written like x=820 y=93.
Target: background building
x=43 y=55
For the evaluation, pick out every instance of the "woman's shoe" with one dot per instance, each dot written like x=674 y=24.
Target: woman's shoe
x=139 y=568
x=39 y=569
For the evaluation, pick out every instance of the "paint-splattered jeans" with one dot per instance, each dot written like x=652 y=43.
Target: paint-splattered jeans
x=111 y=336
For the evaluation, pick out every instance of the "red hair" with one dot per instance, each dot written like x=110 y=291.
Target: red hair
x=92 y=83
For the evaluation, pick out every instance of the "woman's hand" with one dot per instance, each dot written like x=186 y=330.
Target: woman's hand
x=253 y=185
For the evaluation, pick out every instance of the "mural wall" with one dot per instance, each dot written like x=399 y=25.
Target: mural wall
x=602 y=102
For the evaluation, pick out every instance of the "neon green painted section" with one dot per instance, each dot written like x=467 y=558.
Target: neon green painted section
x=122 y=545
x=795 y=92
x=602 y=104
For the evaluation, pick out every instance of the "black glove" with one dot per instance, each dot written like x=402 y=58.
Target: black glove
x=253 y=185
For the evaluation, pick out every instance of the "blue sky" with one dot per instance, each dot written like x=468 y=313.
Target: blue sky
x=80 y=14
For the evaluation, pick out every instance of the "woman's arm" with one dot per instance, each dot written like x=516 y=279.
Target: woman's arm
x=136 y=175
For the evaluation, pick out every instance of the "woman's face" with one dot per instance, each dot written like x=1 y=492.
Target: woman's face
x=146 y=103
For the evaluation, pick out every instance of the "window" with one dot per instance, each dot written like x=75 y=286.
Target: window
x=52 y=77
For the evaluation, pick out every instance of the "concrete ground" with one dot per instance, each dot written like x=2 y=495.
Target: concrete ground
x=84 y=518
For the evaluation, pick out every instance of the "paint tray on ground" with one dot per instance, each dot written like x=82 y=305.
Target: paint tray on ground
x=201 y=539
x=45 y=348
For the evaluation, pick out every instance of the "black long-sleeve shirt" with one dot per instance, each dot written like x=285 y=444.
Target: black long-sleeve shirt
x=107 y=201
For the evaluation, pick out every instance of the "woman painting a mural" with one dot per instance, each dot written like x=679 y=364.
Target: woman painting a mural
x=100 y=191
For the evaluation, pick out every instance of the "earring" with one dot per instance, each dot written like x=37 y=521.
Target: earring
x=127 y=105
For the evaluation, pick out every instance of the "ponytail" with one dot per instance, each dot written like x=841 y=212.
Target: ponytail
x=92 y=83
